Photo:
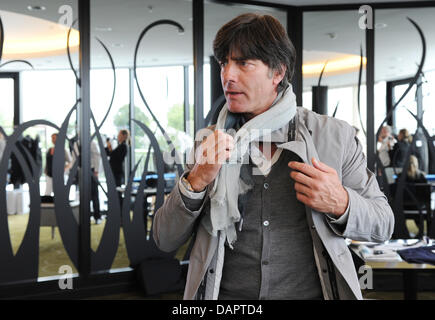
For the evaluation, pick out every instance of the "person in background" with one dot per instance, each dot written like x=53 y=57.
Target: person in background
x=117 y=157
x=95 y=165
x=386 y=142
x=400 y=149
x=49 y=165
x=414 y=174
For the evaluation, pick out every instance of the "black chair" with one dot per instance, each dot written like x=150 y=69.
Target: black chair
x=416 y=204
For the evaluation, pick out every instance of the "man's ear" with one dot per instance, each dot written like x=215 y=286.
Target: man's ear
x=278 y=75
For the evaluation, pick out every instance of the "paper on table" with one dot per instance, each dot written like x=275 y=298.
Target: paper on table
x=387 y=251
x=376 y=254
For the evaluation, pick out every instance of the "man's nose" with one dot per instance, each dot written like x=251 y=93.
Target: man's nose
x=229 y=73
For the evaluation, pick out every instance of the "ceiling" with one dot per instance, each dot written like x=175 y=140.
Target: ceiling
x=328 y=35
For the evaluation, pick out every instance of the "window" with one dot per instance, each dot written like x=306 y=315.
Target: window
x=7 y=104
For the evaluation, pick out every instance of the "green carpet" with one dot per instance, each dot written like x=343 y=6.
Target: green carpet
x=52 y=254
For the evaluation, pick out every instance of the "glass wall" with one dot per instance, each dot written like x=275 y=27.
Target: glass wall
x=148 y=100
x=163 y=88
x=398 y=53
x=7 y=104
x=35 y=52
x=332 y=43
x=399 y=49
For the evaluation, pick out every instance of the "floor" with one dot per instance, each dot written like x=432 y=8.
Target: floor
x=137 y=295
x=52 y=254
x=140 y=295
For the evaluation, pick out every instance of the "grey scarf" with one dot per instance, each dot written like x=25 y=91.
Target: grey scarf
x=224 y=212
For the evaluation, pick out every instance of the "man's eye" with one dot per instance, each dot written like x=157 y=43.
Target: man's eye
x=223 y=64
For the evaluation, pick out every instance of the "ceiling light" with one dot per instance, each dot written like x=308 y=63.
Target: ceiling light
x=117 y=45
x=43 y=39
x=347 y=63
x=35 y=8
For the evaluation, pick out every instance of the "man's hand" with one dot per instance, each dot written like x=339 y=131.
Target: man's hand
x=319 y=187
x=209 y=157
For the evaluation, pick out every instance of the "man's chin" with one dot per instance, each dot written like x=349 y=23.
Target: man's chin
x=236 y=108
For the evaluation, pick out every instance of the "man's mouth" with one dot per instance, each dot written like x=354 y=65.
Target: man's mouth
x=234 y=93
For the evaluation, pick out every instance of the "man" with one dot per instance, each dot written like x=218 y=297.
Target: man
x=271 y=211
x=95 y=165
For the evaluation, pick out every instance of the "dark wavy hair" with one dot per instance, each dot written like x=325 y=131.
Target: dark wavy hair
x=254 y=36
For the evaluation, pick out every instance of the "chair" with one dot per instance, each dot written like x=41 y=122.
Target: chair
x=48 y=215
x=416 y=204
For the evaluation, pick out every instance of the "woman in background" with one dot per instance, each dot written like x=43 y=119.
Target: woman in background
x=49 y=165
x=413 y=174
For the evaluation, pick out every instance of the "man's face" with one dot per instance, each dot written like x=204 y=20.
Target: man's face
x=249 y=85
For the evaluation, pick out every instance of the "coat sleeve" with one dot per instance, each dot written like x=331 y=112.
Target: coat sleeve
x=175 y=220
x=370 y=217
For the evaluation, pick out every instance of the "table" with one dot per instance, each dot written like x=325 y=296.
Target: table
x=148 y=192
x=409 y=272
x=429 y=177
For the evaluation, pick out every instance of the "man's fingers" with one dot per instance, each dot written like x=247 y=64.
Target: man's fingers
x=304 y=168
x=301 y=178
x=303 y=198
x=301 y=188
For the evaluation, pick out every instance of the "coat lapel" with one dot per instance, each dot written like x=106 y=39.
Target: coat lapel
x=304 y=147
